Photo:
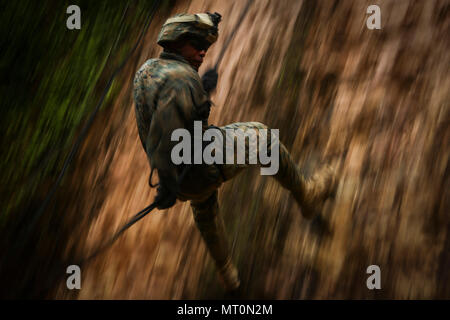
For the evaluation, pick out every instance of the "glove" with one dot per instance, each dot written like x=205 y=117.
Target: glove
x=204 y=110
x=209 y=80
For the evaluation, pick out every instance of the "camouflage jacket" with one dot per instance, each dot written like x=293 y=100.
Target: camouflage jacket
x=168 y=94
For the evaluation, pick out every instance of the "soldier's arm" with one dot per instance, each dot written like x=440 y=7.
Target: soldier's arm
x=194 y=102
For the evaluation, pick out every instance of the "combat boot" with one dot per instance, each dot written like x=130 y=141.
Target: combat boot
x=316 y=190
x=310 y=193
x=229 y=277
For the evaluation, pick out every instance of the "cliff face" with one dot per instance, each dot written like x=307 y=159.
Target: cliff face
x=373 y=102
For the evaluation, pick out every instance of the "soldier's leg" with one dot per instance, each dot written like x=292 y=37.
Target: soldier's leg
x=310 y=194
x=210 y=223
x=252 y=130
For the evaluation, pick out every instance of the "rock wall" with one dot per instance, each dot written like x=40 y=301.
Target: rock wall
x=374 y=103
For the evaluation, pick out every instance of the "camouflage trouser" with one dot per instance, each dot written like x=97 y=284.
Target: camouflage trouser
x=206 y=212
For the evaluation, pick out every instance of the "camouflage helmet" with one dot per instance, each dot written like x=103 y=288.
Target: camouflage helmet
x=202 y=25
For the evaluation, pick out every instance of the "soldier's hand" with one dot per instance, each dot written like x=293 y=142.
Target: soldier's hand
x=204 y=110
x=209 y=80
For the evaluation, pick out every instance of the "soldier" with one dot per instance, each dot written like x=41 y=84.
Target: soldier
x=169 y=94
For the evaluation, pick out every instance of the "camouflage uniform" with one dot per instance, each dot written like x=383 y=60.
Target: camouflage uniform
x=168 y=94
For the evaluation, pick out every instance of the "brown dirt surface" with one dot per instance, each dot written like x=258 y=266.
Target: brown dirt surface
x=373 y=102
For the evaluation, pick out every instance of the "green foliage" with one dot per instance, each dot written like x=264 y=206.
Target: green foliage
x=52 y=78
